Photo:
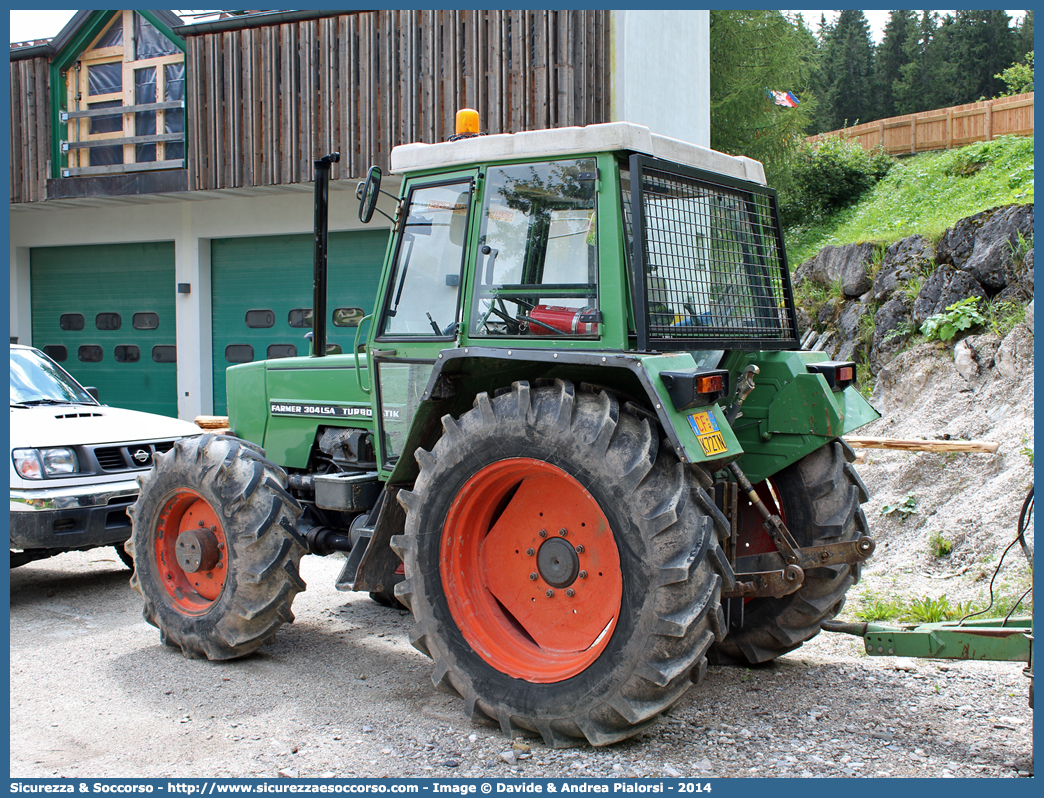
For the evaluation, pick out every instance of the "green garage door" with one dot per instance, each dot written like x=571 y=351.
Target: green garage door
x=106 y=313
x=262 y=295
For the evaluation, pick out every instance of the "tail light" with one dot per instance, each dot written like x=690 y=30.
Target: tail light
x=839 y=374
x=695 y=388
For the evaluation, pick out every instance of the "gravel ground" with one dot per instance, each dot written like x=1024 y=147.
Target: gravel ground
x=341 y=693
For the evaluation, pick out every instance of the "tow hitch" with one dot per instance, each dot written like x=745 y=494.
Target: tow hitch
x=780 y=573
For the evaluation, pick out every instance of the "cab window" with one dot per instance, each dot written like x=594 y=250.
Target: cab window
x=537 y=267
x=422 y=296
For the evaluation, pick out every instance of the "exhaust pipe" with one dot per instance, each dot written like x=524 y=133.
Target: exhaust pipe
x=322 y=196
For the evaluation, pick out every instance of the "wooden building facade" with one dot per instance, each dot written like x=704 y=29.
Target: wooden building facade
x=364 y=82
x=266 y=94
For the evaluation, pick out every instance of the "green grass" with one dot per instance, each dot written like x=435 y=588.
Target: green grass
x=924 y=195
x=877 y=607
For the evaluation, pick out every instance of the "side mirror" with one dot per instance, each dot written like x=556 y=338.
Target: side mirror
x=368 y=192
x=93 y=393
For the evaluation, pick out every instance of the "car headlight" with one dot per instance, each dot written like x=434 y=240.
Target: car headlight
x=59 y=461
x=41 y=463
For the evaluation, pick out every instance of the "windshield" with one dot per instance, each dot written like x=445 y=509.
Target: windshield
x=36 y=379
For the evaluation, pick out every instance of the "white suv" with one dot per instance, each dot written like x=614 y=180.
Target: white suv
x=74 y=461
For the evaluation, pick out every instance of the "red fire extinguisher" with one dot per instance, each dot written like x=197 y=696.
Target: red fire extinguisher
x=552 y=319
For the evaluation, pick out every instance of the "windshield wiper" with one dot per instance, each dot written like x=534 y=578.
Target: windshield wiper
x=48 y=402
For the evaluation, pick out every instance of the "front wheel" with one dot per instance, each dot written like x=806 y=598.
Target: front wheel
x=559 y=565
x=215 y=547
x=818 y=498
x=126 y=558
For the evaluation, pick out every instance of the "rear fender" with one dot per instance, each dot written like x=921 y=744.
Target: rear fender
x=461 y=374
x=791 y=412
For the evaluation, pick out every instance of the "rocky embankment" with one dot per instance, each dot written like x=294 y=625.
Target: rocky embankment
x=865 y=302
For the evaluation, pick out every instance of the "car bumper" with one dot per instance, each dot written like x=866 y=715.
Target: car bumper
x=77 y=517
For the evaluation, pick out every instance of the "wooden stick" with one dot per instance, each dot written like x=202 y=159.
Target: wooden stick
x=211 y=422
x=913 y=445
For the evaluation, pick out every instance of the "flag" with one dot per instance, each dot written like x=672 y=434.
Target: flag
x=784 y=98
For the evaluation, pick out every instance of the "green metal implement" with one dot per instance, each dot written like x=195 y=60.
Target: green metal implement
x=991 y=639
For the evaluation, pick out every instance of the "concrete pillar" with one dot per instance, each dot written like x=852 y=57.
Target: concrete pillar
x=21 y=300
x=192 y=310
x=660 y=62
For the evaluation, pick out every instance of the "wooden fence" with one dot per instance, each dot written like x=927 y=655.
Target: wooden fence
x=264 y=102
x=30 y=129
x=944 y=128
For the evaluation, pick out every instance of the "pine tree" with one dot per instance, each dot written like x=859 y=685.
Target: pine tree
x=822 y=117
x=889 y=59
x=848 y=65
x=919 y=78
x=983 y=46
x=944 y=67
x=751 y=53
x=1024 y=36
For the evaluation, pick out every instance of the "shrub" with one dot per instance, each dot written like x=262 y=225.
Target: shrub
x=831 y=174
x=956 y=318
x=903 y=509
x=1019 y=77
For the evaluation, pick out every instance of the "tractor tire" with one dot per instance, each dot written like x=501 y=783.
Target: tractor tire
x=215 y=546
x=124 y=555
x=559 y=565
x=819 y=499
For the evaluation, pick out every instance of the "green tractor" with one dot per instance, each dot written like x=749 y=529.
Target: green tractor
x=580 y=441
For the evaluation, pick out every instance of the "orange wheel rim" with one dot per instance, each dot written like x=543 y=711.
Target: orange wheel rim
x=191 y=552
x=531 y=571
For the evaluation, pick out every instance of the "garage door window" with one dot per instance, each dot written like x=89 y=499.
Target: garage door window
x=239 y=353
x=300 y=317
x=56 y=353
x=71 y=321
x=90 y=354
x=281 y=350
x=260 y=319
x=127 y=354
x=146 y=321
x=165 y=354
x=348 y=317
x=108 y=321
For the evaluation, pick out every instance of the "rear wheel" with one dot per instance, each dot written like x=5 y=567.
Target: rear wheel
x=215 y=547
x=558 y=565
x=819 y=499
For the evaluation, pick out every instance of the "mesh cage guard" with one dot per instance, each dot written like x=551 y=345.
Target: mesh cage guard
x=707 y=265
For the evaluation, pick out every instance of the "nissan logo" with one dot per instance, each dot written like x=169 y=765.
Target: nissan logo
x=142 y=456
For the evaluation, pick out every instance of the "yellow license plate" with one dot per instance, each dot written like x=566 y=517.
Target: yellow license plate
x=712 y=443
